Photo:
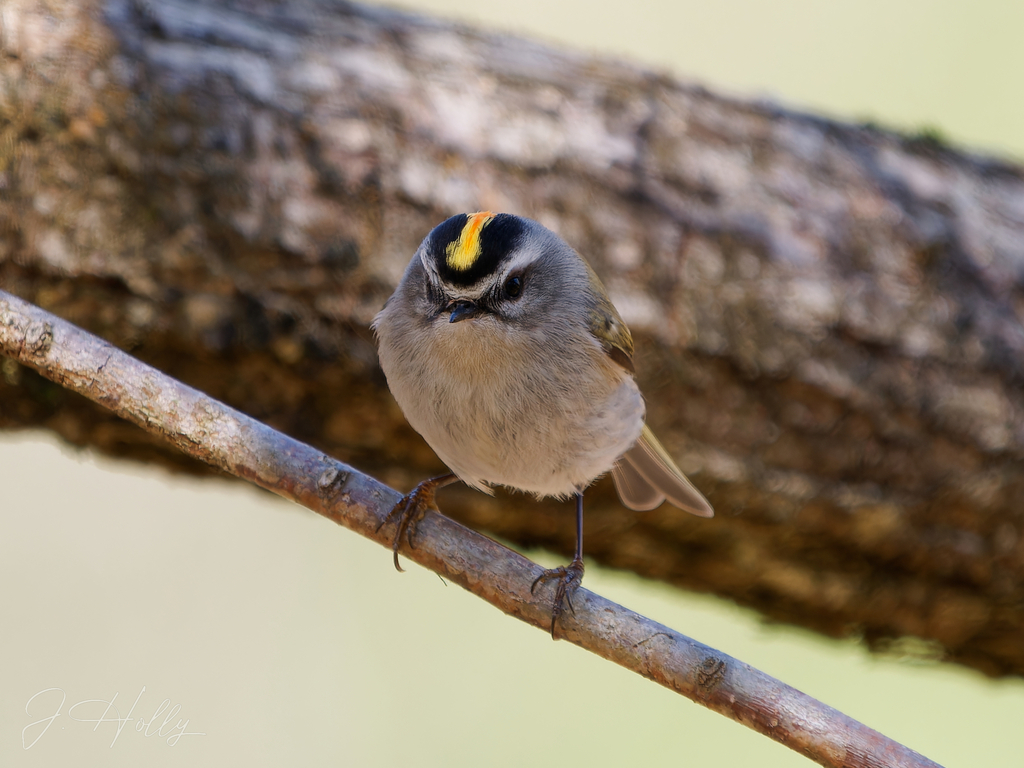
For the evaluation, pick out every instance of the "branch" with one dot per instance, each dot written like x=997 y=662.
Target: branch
x=231 y=441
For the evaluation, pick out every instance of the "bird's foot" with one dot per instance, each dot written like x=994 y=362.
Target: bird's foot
x=411 y=508
x=568 y=579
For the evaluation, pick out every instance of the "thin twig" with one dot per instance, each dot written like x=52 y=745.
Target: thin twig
x=221 y=436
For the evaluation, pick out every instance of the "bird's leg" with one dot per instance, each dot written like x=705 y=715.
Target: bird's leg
x=568 y=576
x=410 y=510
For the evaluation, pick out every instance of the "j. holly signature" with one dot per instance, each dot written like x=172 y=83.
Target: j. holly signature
x=86 y=711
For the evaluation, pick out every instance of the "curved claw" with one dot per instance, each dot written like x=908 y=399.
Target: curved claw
x=411 y=508
x=569 y=578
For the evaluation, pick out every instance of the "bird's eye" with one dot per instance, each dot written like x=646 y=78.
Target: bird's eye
x=514 y=287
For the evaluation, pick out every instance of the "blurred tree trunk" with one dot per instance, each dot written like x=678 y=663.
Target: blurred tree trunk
x=829 y=318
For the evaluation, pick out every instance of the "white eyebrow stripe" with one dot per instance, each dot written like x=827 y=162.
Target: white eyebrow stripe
x=520 y=260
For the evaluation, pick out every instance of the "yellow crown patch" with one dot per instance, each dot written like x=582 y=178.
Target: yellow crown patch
x=462 y=253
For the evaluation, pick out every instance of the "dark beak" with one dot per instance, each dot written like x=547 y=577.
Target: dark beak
x=462 y=310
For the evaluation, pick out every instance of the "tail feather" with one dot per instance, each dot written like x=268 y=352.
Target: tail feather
x=646 y=475
x=634 y=491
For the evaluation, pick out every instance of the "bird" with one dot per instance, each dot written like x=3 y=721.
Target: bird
x=504 y=352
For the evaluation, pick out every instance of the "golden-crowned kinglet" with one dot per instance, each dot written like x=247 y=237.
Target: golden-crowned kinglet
x=505 y=353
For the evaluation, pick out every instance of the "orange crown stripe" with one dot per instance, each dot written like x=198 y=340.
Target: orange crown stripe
x=463 y=253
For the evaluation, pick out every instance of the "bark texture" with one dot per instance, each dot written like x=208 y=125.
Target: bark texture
x=829 y=318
